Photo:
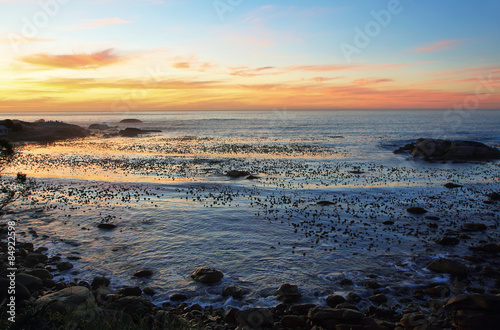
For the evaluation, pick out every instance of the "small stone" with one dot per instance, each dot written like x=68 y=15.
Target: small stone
x=233 y=291
x=446 y=241
x=99 y=281
x=143 y=273
x=334 y=300
x=353 y=297
x=129 y=291
x=106 y=225
x=207 y=275
x=64 y=265
x=178 y=297
x=378 y=299
x=148 y=291
x=451 y=185
x=346 y=281
x=372 y=284
x=416 y=210
x=473 y=226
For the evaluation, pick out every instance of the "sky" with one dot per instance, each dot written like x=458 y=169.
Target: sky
x=133 y=55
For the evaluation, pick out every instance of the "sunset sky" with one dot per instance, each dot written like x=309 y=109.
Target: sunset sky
x=117 y=55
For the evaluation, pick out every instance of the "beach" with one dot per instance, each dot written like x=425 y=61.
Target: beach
x=320 y=202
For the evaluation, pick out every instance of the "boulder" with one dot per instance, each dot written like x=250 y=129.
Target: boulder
x=447 y=240
x=233 y=291
x=288 y=293
x=475 y=311
x=372 y=284
x=178 y=297
x=22 y=292
x=444 y=150
x=41 y=273
x=416 y=210
x=99 y=282
x=494 y=196
x=31 y=282
x=334 y=300
x=325 y=203
x=237 y=173
x=133 y=305
x=378 y=299
x=451 y=185
x=143 y=273
x=254 y=318
x=443 y=265
x=207 y=275
x=473 y=226
x=323 y=313
x=129 y=291
x=75 y=299
x=488 y=248
x=99 y=127
x=106 y=225
x=64 y=265
x=33 y=259
x=148 y=291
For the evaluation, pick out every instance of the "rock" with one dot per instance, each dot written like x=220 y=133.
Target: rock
x=135 y=132
x=288 y=293
x=41 y=273
x=442 y=265
x=301 y=309
x=148 y=291
x=143 y=273
x=106 y=225
x=233 y=291
x=46 y=132
x=99 y=282
x=447 y=240
x=130 y=121
x=252 y=177
x=451 y=185
x=294 y=322
x=416 y=320
x=475 y=311
x=133 y=305
x=230 y=315
x=431 y=217
x=22 y=293
x=383 y=313
x=78 y=299
x=207 y=275
x=444 y=150
x=438 y=291
x=378 y=299
x=353 y=297
x=177 y=297
x=494 y=196
x=254 y=318
x=237 y=174
x=388 y=222
x=488 y=248
x=334 y=300
x=323 y=313
x=416 y=210
x=64 y=265
x=129 y=291
x=346 y=281
x=33 y=259
x=372 y=284
x=325 y=203
x=473 y=226
x=32 y=283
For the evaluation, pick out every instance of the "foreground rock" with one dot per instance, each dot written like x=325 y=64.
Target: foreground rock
x=288 y=293
x=207 y=275
x=475 y=311
x=449 y=266
x=446 y=150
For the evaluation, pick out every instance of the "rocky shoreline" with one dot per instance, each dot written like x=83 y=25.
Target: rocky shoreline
x=43 y=303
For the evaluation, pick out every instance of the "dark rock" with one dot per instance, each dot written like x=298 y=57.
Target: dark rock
x=494 y=196
x=444 y=150
x=378 y=299
x=149 y=291
x=475 y=311
x=237 y=174
x=334 y=300
x=230 y=315
x=346 y=281
x=353 y=297
x=447 y=240
x=41 y=273
x=143 y=273
x=416 y=210
x=130 y=121
x=31 y=282
x=431 y=217
x=177 y=297
x=383 y=313
x=77 y=298
x=488 y=248
x=46 y=132
x=106 y=225
x=252 y=177
x=99 y=127
x=301 y=309
x=134 y=132
x=443 y=265
x=288 y=293
x=64 y=265
x=325 y=203
x=33 y=259
x=472 y=226
x=22 y=293
x=99 y=282
x=372 y=284
x=323 y=313
x=438 y=291
x=294 y=322
x=388 y=222
x=129 y=291
x=451 y=185
x=207 y=275
x=254 y=318
x=233 y=291
x=133 y=305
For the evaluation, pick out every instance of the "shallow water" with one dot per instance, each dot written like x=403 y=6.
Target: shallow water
x=175 y=209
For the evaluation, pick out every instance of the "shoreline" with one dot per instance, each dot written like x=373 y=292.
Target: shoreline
x=439 y=306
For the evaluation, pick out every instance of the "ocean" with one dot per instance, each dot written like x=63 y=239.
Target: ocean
x=176 y=210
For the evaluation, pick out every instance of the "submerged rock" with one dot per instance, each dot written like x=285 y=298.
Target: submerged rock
x=288 y=293
x=106 y=225
x=325 y=203
x=447 y=240
x=237 y=174
x=449 y=266
x=131 y=121
x=416 y=210
x=143 y=273
x=207 y=275
x=451 y=185
x=233 y=291
x=474 y=226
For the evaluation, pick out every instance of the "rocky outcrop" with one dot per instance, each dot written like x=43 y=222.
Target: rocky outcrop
x=45 y=131
x=446 y=150
x=135 y=132
x=475 y=311
x=207 y=275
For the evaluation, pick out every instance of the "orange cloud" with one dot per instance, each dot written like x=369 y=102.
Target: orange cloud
x=439 y=45
x=363 y=81
x=75 y=61
x=97 y=23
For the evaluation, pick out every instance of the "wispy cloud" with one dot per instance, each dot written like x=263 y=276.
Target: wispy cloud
x=74 y=61
x=365 y=81
x=439 y=45
x=97 y=23
x=17 y=39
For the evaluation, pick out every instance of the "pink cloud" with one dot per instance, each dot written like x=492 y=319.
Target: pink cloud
x=74 y=61
x=364 y=82
x=439 y=45
x=97 y=23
